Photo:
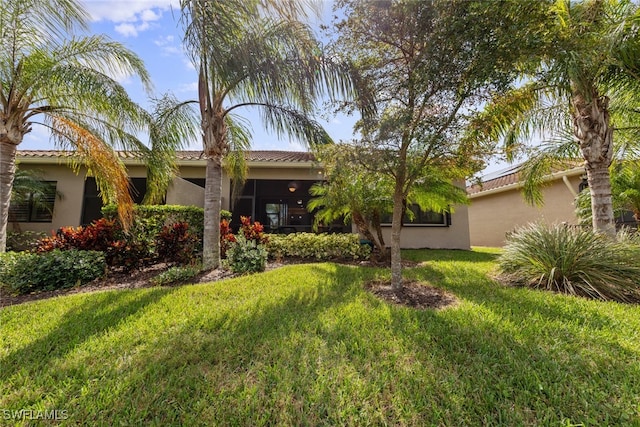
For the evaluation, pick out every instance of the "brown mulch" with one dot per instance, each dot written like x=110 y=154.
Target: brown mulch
x=414 y=294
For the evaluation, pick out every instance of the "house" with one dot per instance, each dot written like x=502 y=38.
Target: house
x=498 y=205
x=276 y=193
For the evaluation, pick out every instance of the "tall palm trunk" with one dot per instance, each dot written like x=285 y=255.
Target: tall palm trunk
x=215 y=148
x=594 y=133
x=7 y=172
x=212 y=206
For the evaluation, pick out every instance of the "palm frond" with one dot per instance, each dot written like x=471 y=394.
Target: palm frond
x=284 y=120
x=101 y=161
x=558 y=153
x=173 y=125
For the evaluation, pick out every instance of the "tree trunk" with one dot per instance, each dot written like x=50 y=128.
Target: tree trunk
x=363 y=226
x=375 y=222
x=212 y=206
x=215 y=148
x=7 y=173
x=591 y=124
x=396 y=229
x=601 y=203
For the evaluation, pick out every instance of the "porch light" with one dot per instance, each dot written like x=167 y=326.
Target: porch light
x=293 y=186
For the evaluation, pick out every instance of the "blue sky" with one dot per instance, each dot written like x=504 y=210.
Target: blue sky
x=151 y=29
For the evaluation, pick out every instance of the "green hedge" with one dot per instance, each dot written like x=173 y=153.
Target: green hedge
x=321 y=247
x=149 y=219
x=23 y=272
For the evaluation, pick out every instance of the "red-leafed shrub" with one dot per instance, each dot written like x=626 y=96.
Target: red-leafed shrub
x=253 y=231
x=101 y=235
x=226 y=237
x=98 y=236
x=176 y=244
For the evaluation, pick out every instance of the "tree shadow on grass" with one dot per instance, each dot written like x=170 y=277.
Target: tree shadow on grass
x=218 y=351
x=527 y=356
x=421 y=255
x=93 y=316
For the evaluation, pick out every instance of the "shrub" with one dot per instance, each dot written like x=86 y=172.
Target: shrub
x=253 y=231
x=102 y=235
x=322 y=247
x=18 y=241
x=246 y=256
x=175 y=275
x=23 y=272
x=149 y=219
x=572 y=261
x=98 y=236
x=226 y=237
x=176 y=243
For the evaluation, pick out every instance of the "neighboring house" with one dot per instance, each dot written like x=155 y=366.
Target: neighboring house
x=498 y=206
x=276 y=193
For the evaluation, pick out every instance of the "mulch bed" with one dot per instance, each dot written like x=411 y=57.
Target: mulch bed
x=414 y=294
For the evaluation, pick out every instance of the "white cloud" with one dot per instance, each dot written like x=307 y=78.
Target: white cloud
x=127 y=30
x=168 y=45
x=119 y=11
x=188 y=87
x=132 y=16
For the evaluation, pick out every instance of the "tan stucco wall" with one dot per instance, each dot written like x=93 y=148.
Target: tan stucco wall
x=456 y=236
x=183 y=192
x=68 y=209
x=492 y=216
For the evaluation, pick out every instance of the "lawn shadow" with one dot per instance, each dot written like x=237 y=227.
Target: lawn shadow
x=518 y=351
x=422 y=255
x=95 y=315
x=222 y=354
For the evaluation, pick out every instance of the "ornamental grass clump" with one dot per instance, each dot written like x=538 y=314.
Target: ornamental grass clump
x=572 y=261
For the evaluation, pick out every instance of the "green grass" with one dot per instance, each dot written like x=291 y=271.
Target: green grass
x=306 y=345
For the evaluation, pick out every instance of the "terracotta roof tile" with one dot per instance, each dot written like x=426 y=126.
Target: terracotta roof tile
x=509 y=176
x=501 y=181
x=251 y=156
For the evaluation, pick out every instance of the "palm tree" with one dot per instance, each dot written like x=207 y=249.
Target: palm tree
x=250 y=53
x=586 y=70
x=625 y=192
x=52 y=78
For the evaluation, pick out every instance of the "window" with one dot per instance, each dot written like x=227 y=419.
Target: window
x=422 y=218
x=37 y=206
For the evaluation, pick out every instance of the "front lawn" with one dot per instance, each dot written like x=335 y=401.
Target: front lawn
x=307 y=345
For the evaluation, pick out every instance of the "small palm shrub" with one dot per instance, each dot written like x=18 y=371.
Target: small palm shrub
x=572 y=261
x=246 y=256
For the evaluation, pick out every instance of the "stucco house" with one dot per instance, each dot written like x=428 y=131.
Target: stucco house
x=276 y=193
x=498 y=205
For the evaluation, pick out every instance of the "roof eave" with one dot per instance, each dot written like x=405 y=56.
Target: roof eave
x=579 y=170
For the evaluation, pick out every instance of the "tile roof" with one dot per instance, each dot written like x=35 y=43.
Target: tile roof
x=251 y=156
x=507 y=177
x=510 y=176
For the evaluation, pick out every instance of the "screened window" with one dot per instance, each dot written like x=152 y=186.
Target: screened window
x=38 y=207
x=422 y=218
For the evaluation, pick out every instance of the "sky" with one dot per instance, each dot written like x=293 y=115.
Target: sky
x=151 y=29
